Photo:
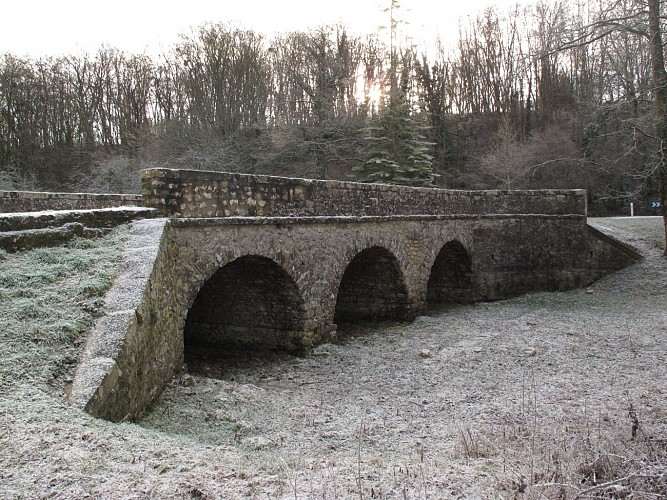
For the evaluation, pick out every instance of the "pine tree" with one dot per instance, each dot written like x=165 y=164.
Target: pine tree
x=397 y=152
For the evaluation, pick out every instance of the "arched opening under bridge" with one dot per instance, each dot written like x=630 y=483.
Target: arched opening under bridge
x=371 y=289
x=249 y=304
x=450 y=281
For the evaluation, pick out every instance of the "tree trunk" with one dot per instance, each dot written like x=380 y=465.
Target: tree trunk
x=660 y=87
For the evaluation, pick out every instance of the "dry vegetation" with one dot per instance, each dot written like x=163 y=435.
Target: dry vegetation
x=543 y=95
x=550 y=395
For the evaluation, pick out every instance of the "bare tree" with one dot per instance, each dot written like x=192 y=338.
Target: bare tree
x=660 y=85
x=226 y=78
x=640 y=19
x=508 y=163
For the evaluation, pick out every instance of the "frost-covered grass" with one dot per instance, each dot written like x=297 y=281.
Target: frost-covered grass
x=49 y=298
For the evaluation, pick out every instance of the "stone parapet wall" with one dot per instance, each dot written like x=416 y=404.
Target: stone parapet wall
x=31 y=201
x=189 y=193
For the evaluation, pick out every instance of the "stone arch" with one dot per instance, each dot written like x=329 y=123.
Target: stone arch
x=251 y=302
x=450 y=280
x=372 y=288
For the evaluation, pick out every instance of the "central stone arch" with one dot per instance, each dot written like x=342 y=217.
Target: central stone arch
x=372 y=288
x=251 y=302
x=451 y=275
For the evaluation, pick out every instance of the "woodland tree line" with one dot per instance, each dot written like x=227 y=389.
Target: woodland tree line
x=553 y=95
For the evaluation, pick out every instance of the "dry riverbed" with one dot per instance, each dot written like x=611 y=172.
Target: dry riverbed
x=550 y=395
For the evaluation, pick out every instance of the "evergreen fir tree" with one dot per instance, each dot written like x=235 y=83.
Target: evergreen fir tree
x=397 y=152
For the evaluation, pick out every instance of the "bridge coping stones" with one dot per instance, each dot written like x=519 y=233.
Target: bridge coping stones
x=92 y=374
x=240 y=221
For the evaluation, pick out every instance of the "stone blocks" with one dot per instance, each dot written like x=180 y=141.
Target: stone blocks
x=30 y=201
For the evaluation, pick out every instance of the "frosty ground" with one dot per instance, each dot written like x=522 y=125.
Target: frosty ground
x=549 y=395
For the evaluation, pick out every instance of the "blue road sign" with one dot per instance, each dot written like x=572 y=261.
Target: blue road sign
x=656 y=204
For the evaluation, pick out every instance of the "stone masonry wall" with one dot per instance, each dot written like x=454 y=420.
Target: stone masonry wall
x=29 y=201
x=189 y=193
x=28 y=230
x=506 y=257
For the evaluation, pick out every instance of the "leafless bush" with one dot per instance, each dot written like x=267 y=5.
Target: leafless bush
x=11 y=179
x=118 y=173
x=592 y=457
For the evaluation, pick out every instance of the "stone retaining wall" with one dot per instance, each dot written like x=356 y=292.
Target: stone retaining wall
x=190 y=193
x=28 y=230
x=30 y=201
x=129 y=356
x=98 y=218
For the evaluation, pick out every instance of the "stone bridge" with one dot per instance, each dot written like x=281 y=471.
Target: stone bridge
x=244 y=261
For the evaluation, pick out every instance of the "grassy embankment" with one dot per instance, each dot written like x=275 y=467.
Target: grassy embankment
x=49 y=297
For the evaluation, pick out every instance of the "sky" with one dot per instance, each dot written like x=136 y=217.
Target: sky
x=55 y=27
